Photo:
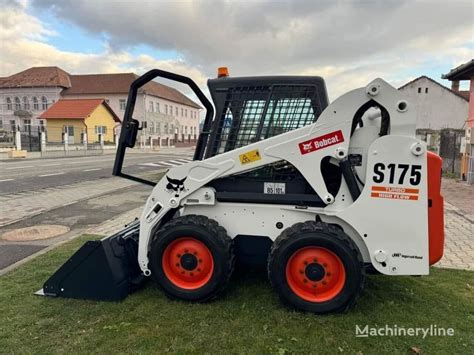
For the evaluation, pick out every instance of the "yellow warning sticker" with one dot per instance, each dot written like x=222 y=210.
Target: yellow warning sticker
x=250 y=157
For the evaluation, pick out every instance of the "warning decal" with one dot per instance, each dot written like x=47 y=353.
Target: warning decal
x=321 y=142
x=395 y=193
x=250 y=157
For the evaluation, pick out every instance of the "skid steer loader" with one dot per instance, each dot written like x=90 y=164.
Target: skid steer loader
x=321 y=193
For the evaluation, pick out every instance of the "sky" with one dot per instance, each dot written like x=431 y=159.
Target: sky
x=348 y=43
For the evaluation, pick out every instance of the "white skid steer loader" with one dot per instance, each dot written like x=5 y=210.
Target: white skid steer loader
x=321 y=193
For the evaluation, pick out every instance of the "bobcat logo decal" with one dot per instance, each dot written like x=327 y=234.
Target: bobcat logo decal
x=175 y=185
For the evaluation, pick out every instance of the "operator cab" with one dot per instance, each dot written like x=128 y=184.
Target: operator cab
x=250 y=109
x=244 y=110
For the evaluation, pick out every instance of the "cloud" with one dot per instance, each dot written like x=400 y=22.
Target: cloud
x=347 y=42
x=23 y=45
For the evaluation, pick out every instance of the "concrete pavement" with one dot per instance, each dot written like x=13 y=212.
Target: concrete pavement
x=37 y=174
x=459 y=225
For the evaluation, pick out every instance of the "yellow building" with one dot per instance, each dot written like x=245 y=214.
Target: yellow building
x=75 y=117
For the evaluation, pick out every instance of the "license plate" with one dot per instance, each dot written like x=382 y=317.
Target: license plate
x=274 y=188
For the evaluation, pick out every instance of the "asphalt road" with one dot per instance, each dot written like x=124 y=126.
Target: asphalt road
x=34 y=174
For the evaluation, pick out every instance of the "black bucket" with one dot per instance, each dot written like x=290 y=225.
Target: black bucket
x=104 y=270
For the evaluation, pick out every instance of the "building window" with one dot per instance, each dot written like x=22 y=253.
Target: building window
x=157 y=107
x=426 y=90
x=166 y=109
x=35 y=103
x=1 y=124
x=176 y=111
x=419 y=90
x=9 y=104
x=17 y=104
x=186 y=113
x=152 y=108
x=44 y=102
x=27 y=123
x=26 y=103
x=13 y=125
x=186 y=130
x=101 y=130
x=182 y=112
x=122 y=104
x=41 y=123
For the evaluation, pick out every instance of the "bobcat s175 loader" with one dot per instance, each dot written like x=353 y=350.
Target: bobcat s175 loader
x=320 y=193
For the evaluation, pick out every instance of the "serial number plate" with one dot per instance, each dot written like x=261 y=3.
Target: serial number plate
x=275 y=188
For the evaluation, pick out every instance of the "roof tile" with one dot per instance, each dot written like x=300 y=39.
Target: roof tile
x=77 y=109
x=37 y=77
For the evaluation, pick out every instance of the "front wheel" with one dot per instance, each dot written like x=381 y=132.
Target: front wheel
x=316 y=267
x=192 y=258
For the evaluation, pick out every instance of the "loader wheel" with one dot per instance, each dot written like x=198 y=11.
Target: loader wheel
x=316 y=268
x=192 y=258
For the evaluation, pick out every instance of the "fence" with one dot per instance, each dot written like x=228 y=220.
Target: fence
x=447 y=143
x=55 y=142
x=450 y=149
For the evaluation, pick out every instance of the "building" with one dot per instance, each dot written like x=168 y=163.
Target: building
x=440 y=118
x=26 y=95
x=466 y=72
x=167 y=114
x=74 y=120
x=438 y=107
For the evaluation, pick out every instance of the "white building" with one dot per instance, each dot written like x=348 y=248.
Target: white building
x=166 y=113
x=438 y=107
x=26 y=95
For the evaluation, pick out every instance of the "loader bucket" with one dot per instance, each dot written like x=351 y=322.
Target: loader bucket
x=104 y=270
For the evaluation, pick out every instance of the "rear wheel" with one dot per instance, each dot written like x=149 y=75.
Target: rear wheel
x=192 y=258
x=316 y=267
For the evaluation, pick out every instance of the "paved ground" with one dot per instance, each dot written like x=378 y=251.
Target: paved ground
x=78 y=193
x=36 y=174
x=459 y=225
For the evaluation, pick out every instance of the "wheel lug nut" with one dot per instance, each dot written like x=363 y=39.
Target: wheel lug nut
x=329 y=274
x=182 y=272
x=301 y=272
x=186 y=251
x=306 y=263
x=324 y=282
x=315 y=260
x=195 y=253
x=314 y=285
x=325 y=264
x=305 y=281
x=177 y=264
x=199 y=269
x=200 y=260
x=191 y=274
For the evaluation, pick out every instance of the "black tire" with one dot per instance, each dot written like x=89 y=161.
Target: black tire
x=319 y=236
x=206 y=232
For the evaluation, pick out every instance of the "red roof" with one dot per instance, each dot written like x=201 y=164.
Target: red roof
x=101 y=84
x=97 y=84
x=37 y=77
x=76 y=109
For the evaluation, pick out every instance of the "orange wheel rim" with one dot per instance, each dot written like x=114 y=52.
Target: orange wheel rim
x=188 y=263
x=315 y=274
